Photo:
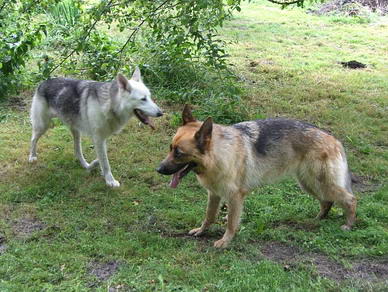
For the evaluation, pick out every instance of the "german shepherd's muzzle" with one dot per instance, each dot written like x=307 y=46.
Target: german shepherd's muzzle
x=178 y=170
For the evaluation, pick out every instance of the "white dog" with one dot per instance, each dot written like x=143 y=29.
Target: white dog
x=97 y=109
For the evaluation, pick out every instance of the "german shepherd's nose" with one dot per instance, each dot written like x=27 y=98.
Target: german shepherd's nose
x=161 y=169
x=166 y=170
x=169 y=167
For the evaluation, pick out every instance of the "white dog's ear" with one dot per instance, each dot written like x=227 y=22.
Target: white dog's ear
x=122 y=82
x=136 y=75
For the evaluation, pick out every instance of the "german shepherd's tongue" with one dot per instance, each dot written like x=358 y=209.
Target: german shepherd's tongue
x=144 y=118
x=176 y=177
x=175 y=180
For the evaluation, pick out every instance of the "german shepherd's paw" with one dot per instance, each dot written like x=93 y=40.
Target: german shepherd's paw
x=196 y=231
x=346 y=227
x=222 y=243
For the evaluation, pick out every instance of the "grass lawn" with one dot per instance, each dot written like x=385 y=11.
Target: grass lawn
x=62 y=229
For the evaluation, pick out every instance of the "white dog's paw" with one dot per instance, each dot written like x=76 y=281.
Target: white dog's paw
x=346 y=227
x=32 y=159
x=113 y=183
x=222 y=243
x=196 y=231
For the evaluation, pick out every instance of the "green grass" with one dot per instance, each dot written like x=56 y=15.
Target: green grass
x=287 y=64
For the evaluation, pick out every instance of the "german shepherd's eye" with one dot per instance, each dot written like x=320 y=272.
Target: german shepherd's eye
x=144 y=99
x=178 y=153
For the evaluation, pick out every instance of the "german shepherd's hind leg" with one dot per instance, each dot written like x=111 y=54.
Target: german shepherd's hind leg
x=327 y=180
x=102 y=156
x=307 y=184
x=40 y=120
x=347 y=202
x=213 y=204
x=335 y=186
x=235 y=206
x=78 y=151
x=325 y=208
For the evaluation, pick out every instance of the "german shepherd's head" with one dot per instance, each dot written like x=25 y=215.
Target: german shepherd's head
x=189 y=148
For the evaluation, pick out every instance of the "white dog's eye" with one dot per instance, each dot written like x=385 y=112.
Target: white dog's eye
x=144 y=99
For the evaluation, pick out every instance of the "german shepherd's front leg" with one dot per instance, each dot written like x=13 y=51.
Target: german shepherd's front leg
x=213 y=204
x=235 y=206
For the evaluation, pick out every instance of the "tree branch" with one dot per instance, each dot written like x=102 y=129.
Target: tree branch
x=286 y=2
x=138 y=27
x=108 y=6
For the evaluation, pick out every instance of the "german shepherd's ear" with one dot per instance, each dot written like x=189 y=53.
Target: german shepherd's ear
x=187 y=116
x=204 y=135
x=122 y=82
x=136 y=75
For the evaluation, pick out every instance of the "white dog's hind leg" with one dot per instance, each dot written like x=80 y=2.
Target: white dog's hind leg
x=40 y=120
x=100 y=145
x=78 y=150
x=93 y=164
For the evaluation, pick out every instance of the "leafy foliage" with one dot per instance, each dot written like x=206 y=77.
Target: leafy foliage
x=169 y=30
x=65 y=14
x=17 y=38
x=99 y=56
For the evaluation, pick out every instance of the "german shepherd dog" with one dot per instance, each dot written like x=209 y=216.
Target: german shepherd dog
x=230 y=161
x=97 y=109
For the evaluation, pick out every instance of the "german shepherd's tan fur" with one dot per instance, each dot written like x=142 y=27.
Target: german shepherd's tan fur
x=230 y=161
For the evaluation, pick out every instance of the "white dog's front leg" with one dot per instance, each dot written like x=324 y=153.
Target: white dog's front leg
x=102 y=157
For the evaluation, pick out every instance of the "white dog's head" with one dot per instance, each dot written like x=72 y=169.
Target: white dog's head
x=137 y=97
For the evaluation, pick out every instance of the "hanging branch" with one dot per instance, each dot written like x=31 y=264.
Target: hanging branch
x=135 y=30
x=138 y=27
x=108 y=6
x=286 y=2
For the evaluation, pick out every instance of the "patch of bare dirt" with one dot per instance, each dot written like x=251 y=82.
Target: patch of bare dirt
x=363 y=184
x=370 y=270
x=103 y=270
x=263 y=62
x=326 y=267
x=353 y=64
x=280 y=252
x=352 y=7
x=20 y=102
x=289 y=256
x=3 y=246
x=23 y=227
x=121 y=288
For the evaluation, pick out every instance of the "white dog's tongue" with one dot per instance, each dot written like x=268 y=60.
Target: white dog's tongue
x=144 y=118
x=175 y=180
